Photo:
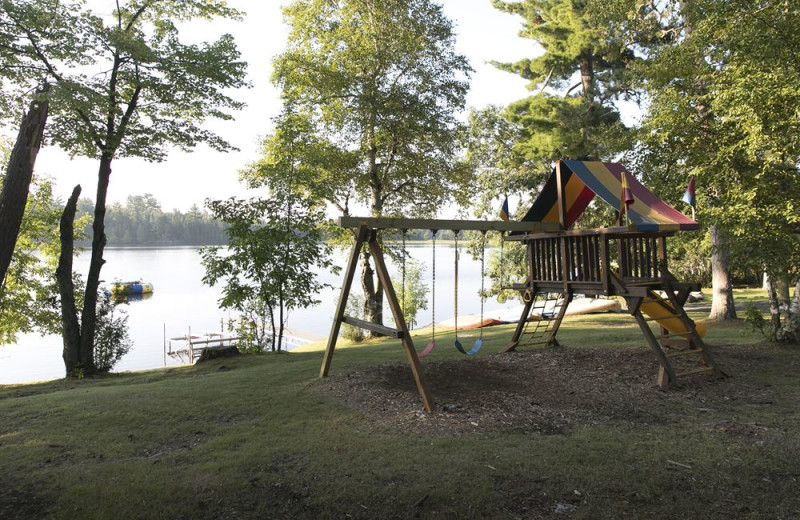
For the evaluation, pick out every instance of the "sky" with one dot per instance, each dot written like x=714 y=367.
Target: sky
x=483 y=34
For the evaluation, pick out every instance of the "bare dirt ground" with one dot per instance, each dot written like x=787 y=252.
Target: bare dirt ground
x=549 y=391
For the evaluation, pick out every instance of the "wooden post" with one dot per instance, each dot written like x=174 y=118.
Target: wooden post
x=562 y=196
x=653 y=342
x=561 y=313
x=341 y=307
x=605 y=265
x=400 y=323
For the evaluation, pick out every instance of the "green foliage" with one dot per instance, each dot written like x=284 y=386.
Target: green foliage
x=355 y=308
x=414 y=296
x=125 y=84
x=112 y=340
x=30 y=301
x=377 y=84
x=274 y=245
x=755 y=320
x=723 y=108
x=587 y=59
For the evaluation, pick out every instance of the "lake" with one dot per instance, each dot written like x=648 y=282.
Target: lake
x=180 y=303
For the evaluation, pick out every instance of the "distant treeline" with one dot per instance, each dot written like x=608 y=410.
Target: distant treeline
x=142 y=222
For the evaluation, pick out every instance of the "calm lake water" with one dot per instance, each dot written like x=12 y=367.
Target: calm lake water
x=181 y=302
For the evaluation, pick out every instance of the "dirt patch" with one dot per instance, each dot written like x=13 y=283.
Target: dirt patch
x=550 y=391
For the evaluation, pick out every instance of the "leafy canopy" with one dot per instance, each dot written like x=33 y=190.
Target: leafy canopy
x=379 y=83
x=123 y=84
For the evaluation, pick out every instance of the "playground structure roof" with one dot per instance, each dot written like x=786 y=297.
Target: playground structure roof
x=582 y=180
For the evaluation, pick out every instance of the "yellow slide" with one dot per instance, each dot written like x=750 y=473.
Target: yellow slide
x=655 y=307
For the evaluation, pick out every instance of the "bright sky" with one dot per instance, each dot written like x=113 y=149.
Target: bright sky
x=484 y=34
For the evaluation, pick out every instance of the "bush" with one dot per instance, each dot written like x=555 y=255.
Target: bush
x=355 y=309
x=112 y=340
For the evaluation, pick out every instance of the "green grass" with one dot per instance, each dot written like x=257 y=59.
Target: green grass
x=258 y=437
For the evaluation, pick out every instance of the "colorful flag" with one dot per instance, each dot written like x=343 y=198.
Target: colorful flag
x=689 y=197
x=504 y=210
x=625 y=199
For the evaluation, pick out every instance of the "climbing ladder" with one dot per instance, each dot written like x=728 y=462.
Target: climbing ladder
x=550 y=308
x=680 y=354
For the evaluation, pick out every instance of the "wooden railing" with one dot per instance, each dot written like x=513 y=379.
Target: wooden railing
x=582 y=259
x=641 y=257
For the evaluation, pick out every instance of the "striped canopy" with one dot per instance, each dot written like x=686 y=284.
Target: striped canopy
x=585 y=179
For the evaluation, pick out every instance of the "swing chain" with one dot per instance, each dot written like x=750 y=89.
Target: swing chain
x=501 y=298
x=433 y=285
x=483 y=276
x=455 y=285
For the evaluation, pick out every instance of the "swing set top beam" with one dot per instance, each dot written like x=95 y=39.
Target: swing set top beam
x=452 y=225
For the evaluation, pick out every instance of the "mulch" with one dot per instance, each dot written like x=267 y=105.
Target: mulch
x=547 y=391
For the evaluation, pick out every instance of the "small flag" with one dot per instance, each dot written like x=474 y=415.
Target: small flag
x=627 y=195
x=504 y=210
x=625 y=199
x=689 y=197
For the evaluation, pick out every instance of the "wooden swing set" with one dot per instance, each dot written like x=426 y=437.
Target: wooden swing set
x=562 y=263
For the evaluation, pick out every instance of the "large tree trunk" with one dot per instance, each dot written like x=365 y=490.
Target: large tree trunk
x=373 y=292
x=89 y=314
x=587 y=78
x=17 y=181
x=722 y=305
x=774 y=305
x=71 y=332
x=793 y=317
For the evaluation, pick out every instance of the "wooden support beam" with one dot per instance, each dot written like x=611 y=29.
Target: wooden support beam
x=561 y=313
x=361 y=236
x=400 y=322
x=453 y=225
x=374 y=327
x=662 y=358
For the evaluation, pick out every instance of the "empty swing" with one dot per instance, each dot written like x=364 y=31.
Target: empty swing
x=479 y=343
x=430 y=346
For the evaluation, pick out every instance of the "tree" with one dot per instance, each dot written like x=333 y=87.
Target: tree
x=113 y=340
x=29 y=292
x=273 y=245
x=148 y=91
x=17 y=180
x=378 y=84
x=722 y=108
x=581 y=121
x=413 y=296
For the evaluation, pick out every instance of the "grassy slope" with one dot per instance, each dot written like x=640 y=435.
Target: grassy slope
x=255 y=437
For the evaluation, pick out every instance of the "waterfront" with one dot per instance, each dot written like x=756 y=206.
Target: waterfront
x=181 y=302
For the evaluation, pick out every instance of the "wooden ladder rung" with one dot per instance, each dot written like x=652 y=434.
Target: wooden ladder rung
x=695 y=372
x=374 y=327
x=687 y=352
x=526 y=344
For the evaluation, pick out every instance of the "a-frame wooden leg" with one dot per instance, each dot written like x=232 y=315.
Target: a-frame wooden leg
x=526 y=310
x=666 y=372
x=361 y=237
x=400 y=323
x=561 y=313
x=694 y=338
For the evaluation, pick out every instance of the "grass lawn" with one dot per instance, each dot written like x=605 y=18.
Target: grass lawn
x=588 y=435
